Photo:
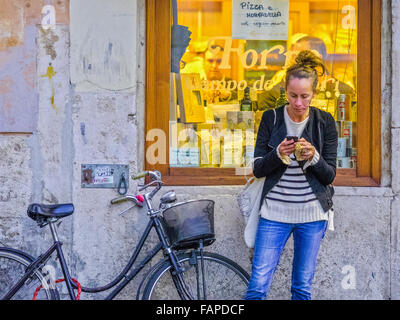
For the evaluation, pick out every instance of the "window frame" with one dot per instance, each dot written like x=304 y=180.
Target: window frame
x=368 y=171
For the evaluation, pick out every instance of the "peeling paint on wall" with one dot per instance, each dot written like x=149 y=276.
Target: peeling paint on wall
x=18 y=52
x=6 y=85
x=48 y=39
x=18 y=94
x=12 y=24
x=33 y=10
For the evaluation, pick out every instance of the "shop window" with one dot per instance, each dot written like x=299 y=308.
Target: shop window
x=209 y=81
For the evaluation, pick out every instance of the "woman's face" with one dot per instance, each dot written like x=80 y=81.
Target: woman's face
x=300 y=93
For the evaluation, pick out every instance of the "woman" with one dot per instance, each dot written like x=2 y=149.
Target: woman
x=297 y=195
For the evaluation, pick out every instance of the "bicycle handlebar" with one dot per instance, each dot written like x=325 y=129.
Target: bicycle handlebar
x=155 y=175
x=156 y=179
x=118 y=200
x=126 y=198
x=140 y=175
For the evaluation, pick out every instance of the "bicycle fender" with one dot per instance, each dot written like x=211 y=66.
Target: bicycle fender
x=18 y=252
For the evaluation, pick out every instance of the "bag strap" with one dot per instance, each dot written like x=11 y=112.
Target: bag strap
x=274 y=117
x=248 y=181
x=254 y=159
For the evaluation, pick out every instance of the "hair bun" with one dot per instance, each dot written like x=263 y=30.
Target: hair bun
x=308 y=58
x=307 y=66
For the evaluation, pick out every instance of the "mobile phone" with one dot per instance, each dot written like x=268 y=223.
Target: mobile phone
x=295 y=138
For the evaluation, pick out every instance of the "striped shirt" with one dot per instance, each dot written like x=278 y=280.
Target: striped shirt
x=292 y=200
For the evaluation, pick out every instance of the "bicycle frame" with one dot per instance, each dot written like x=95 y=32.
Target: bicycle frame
x=39 y=261
x=57 y=246
x=124 y=277
x=128 y=277
x=162 y=245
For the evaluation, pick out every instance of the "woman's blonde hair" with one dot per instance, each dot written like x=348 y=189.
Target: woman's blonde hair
x=306 y=66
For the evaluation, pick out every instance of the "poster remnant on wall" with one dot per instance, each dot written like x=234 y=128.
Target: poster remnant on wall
x=103 y=59
x=260 y=19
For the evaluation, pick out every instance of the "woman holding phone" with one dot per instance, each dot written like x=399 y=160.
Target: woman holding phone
x=296 y=149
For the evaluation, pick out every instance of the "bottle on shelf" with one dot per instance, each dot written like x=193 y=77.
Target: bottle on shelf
x=246 y=103
x=253 y=97
x=353 y=110
x=341 y=107
x=281 y=101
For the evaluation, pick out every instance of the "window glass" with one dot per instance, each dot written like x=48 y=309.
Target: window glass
x=221 y=86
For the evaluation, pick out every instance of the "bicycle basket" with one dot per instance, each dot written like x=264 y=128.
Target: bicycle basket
x=186 y=223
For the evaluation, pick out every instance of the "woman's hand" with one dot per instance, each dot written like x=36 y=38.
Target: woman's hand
x=307 y=149
x=286 y=147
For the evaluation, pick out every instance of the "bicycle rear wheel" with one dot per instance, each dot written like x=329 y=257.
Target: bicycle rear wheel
x=224 y=279
x=12 y=267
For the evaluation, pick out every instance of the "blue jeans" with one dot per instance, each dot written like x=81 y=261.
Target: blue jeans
x=270 y=240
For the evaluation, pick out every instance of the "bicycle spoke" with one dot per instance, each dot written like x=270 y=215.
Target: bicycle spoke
x=222 y=280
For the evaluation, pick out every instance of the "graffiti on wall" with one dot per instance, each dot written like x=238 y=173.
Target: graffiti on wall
x=101 y=58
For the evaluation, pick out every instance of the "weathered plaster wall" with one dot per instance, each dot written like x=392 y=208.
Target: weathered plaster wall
x=103 y=45
x=18 y=68
x=77 y=124
x=73 y=124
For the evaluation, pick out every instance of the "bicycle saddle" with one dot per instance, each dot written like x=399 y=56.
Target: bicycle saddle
x=38 y=211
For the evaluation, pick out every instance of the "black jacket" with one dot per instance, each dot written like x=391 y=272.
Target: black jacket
x=320 y=131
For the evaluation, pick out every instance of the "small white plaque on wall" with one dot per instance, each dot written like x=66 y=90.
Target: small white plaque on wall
x=260 y=19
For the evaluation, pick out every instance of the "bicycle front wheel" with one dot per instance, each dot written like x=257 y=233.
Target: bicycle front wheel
x=223 y=278
x=12 y=268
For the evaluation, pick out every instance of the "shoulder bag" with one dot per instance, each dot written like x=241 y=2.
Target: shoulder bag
x=249 y=204
x=249 y=201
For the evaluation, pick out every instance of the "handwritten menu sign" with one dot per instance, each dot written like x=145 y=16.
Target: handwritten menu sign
x=260 y=19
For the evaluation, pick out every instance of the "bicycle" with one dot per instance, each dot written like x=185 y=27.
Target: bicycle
x=185 y=272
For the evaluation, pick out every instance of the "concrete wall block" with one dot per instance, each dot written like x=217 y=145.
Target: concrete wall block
x=354 y=259
x=53 y=87
x=103 y=134
x=395 y=160
x=395 y=59
x=386 y=85
x=15 y=188
x=395 y=252
x=103 y=129
x=395 y=63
